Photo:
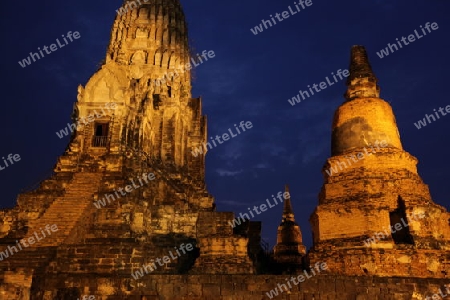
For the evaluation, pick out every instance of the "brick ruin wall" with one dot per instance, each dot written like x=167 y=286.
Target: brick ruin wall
x=221 y=287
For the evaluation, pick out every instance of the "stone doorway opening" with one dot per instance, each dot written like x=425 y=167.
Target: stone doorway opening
x=399 y=224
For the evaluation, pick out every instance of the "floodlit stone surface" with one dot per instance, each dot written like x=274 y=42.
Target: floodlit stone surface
x=136 y=121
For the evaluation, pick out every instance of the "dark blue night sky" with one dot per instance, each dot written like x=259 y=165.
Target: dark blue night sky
x=250 y=79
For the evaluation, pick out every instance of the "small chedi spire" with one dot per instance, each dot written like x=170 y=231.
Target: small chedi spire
x=289 y=250
x=362 y=82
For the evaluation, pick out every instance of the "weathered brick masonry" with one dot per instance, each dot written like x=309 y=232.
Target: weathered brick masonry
x=152 y=130
x=237 y=287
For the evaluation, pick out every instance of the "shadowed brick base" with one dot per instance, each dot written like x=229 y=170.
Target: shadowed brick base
x=226 y=287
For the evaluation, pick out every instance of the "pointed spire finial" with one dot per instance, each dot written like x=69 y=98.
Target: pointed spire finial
x=362 y=82
x=288 y=212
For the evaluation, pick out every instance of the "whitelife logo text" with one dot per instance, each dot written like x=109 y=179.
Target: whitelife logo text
x=302 y=95
x=31 y=241
x=10 y=158
x=300 y=278
x=53 y=47
x=423 y=123
x=356 y=158
x=281 y=17
x=263 y=207
x=111 y=106
x=199 y=150
x=128 y=189
x=391 y=48
x=161 y=261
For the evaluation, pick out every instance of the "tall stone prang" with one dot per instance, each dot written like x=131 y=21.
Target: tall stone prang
x=127 y=189
x=145 y=76
x=126 y=214
x=289 y=250
x=375 y=215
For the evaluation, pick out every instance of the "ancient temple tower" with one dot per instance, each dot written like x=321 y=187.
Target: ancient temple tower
x=146 y=80
x=127 y=191
x=375 y=214
x=289 y=250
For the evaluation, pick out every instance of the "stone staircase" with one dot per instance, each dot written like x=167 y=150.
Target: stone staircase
x=66 y=211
